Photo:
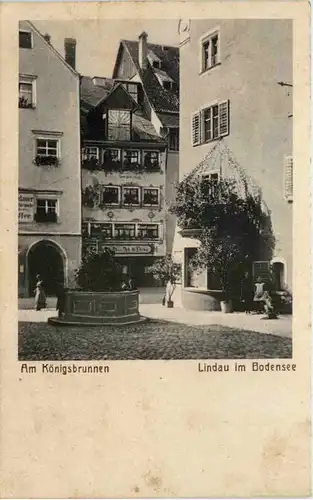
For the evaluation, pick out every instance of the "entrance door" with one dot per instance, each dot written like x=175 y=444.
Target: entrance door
x=45 y=259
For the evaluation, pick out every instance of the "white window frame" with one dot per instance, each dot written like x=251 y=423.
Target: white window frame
x=120 y=223
x=207 y=37
x=145 y=188
x=132 y=150
x=85 y=155
x=114 y=149
x=131 y=204
x=30 y=79
x=48 y=138
x=100 y=223
x=31 y=39
x=202 y=127
x=148 y=224
x=46 y=197
x=102 y=188
x=200 y=116
x=151 y=151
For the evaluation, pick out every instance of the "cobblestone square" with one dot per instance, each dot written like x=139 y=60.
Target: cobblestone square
x=154 y=340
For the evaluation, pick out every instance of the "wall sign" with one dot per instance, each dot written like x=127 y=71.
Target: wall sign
x=25 y=207
x=129 y=249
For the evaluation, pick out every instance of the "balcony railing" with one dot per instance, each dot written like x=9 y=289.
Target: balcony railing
x=120 y=237
x=124 y=165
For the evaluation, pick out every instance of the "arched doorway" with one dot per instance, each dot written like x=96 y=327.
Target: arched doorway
x=45 y=258
x=279 y=270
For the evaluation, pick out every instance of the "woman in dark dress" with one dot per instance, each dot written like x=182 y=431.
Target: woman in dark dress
x=60 y=299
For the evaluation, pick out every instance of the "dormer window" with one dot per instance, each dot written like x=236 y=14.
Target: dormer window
x=168 y=85
x=119 y=125
x=154 y=60
x=132 y=89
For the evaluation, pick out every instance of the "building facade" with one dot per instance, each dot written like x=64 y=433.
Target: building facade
x=156 y=68
x=129 y=157
x=123 y=178
x=236 y=109
x=49 y=205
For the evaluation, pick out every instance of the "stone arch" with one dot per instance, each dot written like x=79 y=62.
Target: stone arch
x=47 y=258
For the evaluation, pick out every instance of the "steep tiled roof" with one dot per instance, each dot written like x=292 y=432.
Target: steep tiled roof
x=166 y=101
x=91 y=95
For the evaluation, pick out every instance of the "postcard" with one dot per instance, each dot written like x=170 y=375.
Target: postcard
x=155 y=249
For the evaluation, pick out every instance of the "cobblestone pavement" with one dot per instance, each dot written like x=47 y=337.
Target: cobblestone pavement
x=151 y=340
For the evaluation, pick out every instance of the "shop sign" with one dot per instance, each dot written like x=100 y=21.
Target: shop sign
x=129 y=249
x=25 y=207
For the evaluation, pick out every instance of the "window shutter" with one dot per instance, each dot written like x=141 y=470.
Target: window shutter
x=196 y=129
x=223 y=111
x=289 y=178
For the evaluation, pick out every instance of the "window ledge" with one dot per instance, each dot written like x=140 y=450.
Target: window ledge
x=27 y=107
x=204 y=143
x=47 y=222
x=205 y=71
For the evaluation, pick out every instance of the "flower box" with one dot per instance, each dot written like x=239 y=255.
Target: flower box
x=48 y=217
x=47 y=160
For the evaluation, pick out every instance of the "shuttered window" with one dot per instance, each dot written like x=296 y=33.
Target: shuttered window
x=210 y=123
x=196 y=129
x=289 y=178
x=223 y=108
x=119 y=124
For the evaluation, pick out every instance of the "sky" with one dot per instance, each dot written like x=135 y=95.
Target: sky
x=98 y=40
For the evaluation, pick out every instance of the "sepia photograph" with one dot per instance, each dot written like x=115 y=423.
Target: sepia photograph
x=155 y=251
x=155 y=189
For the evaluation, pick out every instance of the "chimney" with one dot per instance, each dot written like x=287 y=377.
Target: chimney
x=47 y=37
x=70 y=51
x=143 y=50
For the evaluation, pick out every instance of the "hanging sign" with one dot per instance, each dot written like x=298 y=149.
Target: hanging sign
x=25 y=207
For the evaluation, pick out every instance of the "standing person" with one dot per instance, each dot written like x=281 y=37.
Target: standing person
x=247 y=293
x=60 y=299
x=40 y=296
x=259 y=293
